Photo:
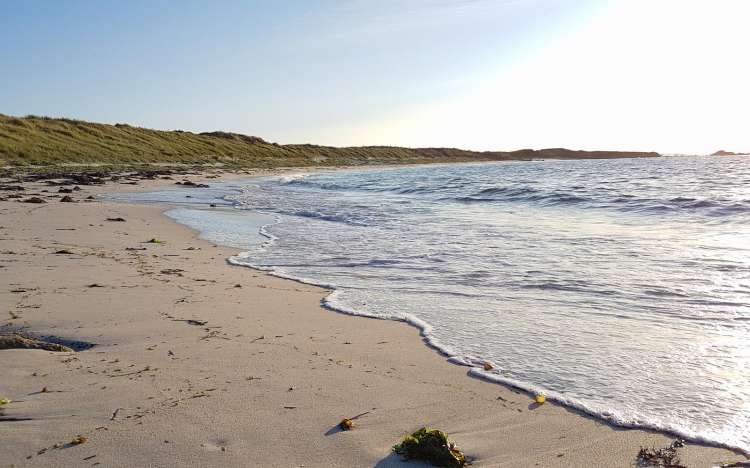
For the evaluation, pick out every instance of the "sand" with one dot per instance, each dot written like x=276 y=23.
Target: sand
x=200 y=363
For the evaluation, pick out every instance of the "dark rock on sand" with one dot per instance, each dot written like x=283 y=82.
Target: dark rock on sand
x=67 y=199
x=64 y=190
x=190 y=183
x=87 y=179
x=34 y=200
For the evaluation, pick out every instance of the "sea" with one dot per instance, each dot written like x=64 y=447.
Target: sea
x=619 y=287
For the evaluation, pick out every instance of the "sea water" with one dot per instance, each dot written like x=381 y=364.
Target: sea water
x=618 y=287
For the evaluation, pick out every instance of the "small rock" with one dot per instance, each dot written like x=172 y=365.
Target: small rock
x=190 y=183
x=34 y=200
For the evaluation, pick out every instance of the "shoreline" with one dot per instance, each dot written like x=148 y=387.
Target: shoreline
x=475 y=366
x=408 y=383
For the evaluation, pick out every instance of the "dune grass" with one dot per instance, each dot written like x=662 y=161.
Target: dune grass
x=33 y=141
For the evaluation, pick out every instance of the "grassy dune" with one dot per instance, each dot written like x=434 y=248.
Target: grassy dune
x=42 y=141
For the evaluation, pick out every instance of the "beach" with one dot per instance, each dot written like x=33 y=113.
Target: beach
x=200 y=363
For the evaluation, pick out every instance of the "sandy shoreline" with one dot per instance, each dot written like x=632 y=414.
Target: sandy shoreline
x=263 y=382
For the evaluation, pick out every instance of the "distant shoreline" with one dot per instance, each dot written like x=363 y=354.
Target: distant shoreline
x=728 y=153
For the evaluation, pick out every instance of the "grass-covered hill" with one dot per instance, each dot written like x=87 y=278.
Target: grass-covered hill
x=42 y=141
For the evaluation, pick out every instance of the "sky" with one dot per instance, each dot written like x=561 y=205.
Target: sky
x=665 y=75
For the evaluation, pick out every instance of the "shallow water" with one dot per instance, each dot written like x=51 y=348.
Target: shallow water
x=620 y=287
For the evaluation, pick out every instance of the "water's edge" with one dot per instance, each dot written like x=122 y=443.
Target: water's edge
x=476 y=365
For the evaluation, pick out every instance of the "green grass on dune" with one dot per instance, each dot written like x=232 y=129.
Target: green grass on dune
x=43 y=141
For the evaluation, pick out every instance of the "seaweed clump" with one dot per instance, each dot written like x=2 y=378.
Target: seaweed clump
x=431 y=445
x=666 y=457
x=18 y=341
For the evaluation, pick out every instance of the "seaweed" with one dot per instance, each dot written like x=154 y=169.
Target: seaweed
x=431 y=445
x=666 y=457
x=18 y=341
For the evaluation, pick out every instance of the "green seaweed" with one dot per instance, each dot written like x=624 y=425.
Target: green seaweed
x=430 y=445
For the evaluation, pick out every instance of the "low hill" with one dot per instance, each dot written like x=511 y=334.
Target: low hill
x=728 y=153
x=44 y=141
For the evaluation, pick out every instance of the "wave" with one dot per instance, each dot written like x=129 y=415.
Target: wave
x=293 y=178
x=619 y=202
x=301 y=182
x=327 y=217
x=611 y=197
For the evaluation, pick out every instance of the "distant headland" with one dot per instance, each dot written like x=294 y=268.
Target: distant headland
x=728 y=153
x=43 y=141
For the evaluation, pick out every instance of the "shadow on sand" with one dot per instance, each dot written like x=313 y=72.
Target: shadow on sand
x=393 y=460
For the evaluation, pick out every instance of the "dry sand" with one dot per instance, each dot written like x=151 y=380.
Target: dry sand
x=263 y=382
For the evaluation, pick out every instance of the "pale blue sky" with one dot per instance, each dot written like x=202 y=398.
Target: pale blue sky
x=481 y=74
